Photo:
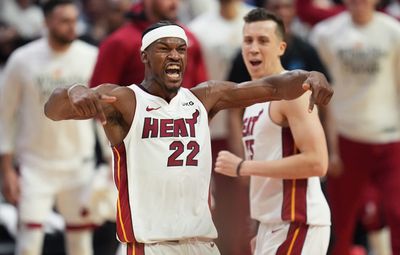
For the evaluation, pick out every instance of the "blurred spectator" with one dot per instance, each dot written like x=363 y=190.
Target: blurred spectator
x=116 y=13
x=312 y=12
x=361 y=49
x=258 y=3
x=119 y=56
x=92 y=22
x=55 y=160
x=393 y=9
x=102 y=18
x=22 y=15
x=190 y=9
x=220 y=42
x=20 y=22
x=8 y=42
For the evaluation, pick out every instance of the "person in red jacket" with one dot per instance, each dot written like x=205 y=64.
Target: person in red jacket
x=119 y=54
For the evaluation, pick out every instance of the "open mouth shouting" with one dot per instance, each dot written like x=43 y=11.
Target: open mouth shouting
x=173 y=71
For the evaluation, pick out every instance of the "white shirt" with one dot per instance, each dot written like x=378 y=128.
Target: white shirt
x=28 y=22
x=364 y=63
x=31 y=74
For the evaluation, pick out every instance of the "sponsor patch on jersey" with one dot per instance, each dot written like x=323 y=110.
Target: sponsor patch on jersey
x=190 y=103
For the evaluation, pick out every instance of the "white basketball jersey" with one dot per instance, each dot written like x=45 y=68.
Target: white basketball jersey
x=274 y=200
x=162 y=171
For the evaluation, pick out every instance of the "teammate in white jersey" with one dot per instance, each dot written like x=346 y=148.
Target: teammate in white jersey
x=55 y=160
x=285 y=152
x=363 y=127
x=161 y=142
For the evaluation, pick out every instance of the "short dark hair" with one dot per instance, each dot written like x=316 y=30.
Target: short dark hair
x=261 y=14
x=49 y=5
x=161 y=23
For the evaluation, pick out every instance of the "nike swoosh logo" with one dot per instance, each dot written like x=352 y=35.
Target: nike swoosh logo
x=149 y=109
x=275 y=230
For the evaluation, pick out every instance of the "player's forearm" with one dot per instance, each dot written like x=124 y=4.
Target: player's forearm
x=287 y=85
x=294 y=167
x=58 y=106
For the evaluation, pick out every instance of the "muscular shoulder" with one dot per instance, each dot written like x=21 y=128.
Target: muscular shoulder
x=120 y=113
x=213 y=95
x=211 y=89
x=124 y=95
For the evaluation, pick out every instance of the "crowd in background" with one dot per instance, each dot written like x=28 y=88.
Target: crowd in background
x=214 y=29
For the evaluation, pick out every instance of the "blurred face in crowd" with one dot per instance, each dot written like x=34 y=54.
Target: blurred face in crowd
x=360 y=9
x=262 y=48
x=94 y=9
x=116 y=13
x=62 y=23
x=165 y=9
x=285 y=9
x=23 y=4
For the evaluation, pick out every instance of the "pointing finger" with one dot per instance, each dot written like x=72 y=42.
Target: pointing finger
x=78 y=110
x=91 y=105
x=306 y=86
x=311 y=103
x=100 y=113
x=327 y=99
x=107 y=99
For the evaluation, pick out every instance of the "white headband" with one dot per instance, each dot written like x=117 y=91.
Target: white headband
x=162 y=32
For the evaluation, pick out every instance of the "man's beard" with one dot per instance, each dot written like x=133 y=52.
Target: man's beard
x=63 y=40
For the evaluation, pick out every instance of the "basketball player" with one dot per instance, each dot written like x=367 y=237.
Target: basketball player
x=286 y=154
x=56 y=160
x=161 y=142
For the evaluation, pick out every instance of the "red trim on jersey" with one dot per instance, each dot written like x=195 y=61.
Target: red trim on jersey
x=294 y=241
x=124 y=219
x=210 y=199
x=32 y=225
x=135 y=248
x=294 y=205
x=78 y=227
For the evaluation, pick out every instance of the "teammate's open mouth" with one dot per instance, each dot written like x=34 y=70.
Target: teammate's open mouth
x=173 y=71
x=255 y=62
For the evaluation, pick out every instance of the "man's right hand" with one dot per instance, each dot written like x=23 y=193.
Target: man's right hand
x=322 y=92
x=87 y=102
x=10 y=185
